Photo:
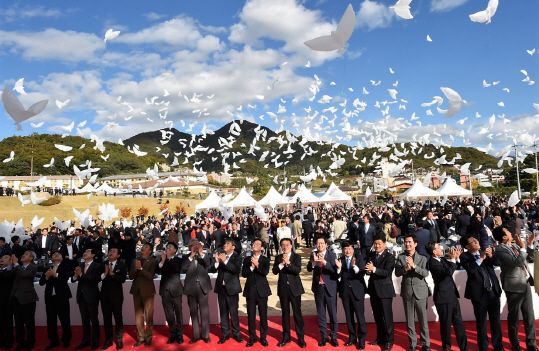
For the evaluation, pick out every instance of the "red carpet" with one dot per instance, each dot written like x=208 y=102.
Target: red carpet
x=274 y=335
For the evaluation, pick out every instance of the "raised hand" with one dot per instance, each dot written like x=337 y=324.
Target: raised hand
x=254 y=262
x=78 y=272
x=138 y=265
x=286 y=260
x=49 y=273
x=338 y=263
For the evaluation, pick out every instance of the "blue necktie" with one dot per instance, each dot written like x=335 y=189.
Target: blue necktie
x=348 y=263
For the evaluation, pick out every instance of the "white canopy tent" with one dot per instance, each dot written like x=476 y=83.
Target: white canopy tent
x=88 y=188
x=242 y=200
x=450 y=188
x=212 y=201
x=271 y=199
x=419 y=190
x=303 y=194
x=336 y=195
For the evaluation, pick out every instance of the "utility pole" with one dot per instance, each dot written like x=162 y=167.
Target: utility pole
x=518 y=171
x=536 y=169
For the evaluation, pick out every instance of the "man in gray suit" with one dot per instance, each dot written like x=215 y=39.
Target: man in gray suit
x=516 y=282
x=412 y=267
x=24 y=299
x=431 y=224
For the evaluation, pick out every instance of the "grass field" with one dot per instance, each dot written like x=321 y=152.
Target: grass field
x=11 y=209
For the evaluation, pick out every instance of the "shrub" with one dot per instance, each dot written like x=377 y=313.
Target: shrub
x=180 y=209
x=125 y=212
x=163 y=207
x=143 y=211
x=53 y=200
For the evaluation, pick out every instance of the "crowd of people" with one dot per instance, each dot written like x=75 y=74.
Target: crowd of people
x=101 y=258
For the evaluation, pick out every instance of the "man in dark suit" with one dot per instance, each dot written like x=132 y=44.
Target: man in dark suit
x=170 y=290
x=129 y=252
x=70 y=252
x=186 y=233
x=324 y=287
x=379 y=267
x=24 y=299
x=289 y=288
x=367 y=232
x=197 y=287
x=5 y=249
x=6 y=312
x=446 y=295
x=256 y=291
x=423 y=237
x=351 y=268
x=88 y=275
x=353 y=232
x=227 y=287
x=46 y=241
x=308 y=230
x=57 y=295
x=112 y=297
x=483 y=289
x=156 y=230
x=218 y=236
x=432 y=226
x=516 y=282
x=412 y=267
x=143 y=291
x=203 y=236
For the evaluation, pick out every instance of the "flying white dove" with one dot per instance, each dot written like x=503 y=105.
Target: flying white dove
x=338 y=38
x=485 y=15
x=10 y=158
x=402 y=9
x=111 y=34
x=455 y=101
x=16 y=110
x=61 y=104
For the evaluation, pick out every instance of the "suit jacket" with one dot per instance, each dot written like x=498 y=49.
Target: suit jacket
x=475 y=281
x=170 y=277
x=445 y=290
x=5 y=250
x=23 y=284
x=289 y=275
x=196 y=273
x=353 y=233
x=205 y=240
x=50 y=238
x=433 y=230
x=6 y=282
x=219 y=238
x=112 y=286
x=423 y=237
x=58 y=283
x=381 y=282
x=512 y=276
x=328 y=273
x=156 y=232
x=350 y=278
x=186 y=236
x=64 y=252
x=143 y=279
x=257 y=281
x=462 y=226
x=413 y=284
x=367 y=238
x=229 y=273
x=88 y=283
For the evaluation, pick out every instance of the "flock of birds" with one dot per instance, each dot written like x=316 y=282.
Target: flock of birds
x=323 y=123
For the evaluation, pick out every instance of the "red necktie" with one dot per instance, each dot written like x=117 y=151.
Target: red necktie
x=321 y=278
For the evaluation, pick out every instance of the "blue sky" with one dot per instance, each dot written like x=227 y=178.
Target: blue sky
x=234 y=50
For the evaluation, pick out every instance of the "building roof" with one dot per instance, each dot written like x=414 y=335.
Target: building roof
x=37 y=176
x=143 y=175
x=168 y=184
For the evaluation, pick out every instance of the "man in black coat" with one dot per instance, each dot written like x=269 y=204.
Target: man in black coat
x=129 y=252
x=197 y=287
x=24 y=297
x=367 y=231
x=379 y=267
x=351 y=268
x=308 y=230
x=218 y=236
x=88 y=275
x=112 y=297
x=6 y=311
x=46 y=241
x=432 y=226
x=170 y=290
x=227 y=287
x=446 y=295
x=256 y=291
x=186 y=233
x=203 y=236
x=57 y=295
x=5 y=249
x=289 y=288
x=483 y=289
x=70 y=252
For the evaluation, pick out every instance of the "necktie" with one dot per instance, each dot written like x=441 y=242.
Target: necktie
x=110 y=267
x=224 y=277
x=321 y=277
x=348 y=263
x=526 y=273
x=486 y=279
x=86 y=268
x=142 y=262
x=55 y=268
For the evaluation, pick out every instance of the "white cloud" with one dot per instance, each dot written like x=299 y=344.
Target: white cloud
x=445 y=5
x=52 y=44
x=15 y=13
x=152 y=16
x=374 y=15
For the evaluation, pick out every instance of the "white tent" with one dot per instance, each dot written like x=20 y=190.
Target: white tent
x=303 y=194
x=450 y=188
x=419 y=190
x=88 y=188
x=212 y=201
x=271 y=199
x=334 y=194
x=242 y=200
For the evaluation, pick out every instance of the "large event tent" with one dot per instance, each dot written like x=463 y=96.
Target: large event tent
x=336 y=195
x=450 y=188
x=303 y=194
x=242 y=200
x=271 y=199
x=419 y=190
x=212 y=201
